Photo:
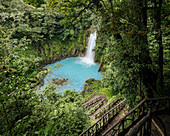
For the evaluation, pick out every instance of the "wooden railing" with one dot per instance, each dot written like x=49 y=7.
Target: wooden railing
x=107 y=107
x=90 y=96
x=142 y=128
x=89 y=104
x=96 y=107
x=104 y=120
x=153 y=105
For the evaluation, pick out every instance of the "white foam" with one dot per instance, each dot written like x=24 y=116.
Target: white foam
x=89 y=58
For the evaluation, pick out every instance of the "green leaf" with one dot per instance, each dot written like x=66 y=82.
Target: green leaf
x=5 y=98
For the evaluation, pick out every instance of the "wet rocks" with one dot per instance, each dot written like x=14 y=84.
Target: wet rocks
x=58 y=81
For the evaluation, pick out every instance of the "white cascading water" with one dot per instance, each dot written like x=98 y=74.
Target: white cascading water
x=89 y=58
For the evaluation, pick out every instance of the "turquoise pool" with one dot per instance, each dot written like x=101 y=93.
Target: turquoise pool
x=75 y=70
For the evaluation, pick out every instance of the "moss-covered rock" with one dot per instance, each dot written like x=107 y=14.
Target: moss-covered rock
x=90 y=81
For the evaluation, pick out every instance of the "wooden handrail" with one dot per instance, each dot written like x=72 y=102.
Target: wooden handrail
x=109 y=106
x=144 y=106
x=153 y=99
x=115 y=107
x=104 y=119
x=97 y=106
x=122 y=121
x=93 y=101
x=142 y=128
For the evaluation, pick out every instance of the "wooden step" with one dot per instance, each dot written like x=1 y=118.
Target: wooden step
x=104 y=122
x=98 y=110
x=109 y=106
x=92 y=101
x=94 y=104
x=113 y=122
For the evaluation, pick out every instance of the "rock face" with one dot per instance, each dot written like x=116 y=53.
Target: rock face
x=58 y=81
x=74 y=52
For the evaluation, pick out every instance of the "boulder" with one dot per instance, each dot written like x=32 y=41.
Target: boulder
x=58 y=81
x=89 y=81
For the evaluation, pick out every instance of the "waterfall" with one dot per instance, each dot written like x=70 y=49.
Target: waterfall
x=89 y=58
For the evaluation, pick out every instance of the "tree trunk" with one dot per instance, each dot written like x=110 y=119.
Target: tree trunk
x=159 y=39
x=148 y=76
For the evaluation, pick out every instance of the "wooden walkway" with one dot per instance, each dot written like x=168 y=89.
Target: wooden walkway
x=109 y=118
x=116 y=123
x=97 y=111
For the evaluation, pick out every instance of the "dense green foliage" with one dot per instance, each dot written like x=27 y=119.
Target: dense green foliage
x=29 y=38
x=36 y=3
x=132 y=49
x=50 y=113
